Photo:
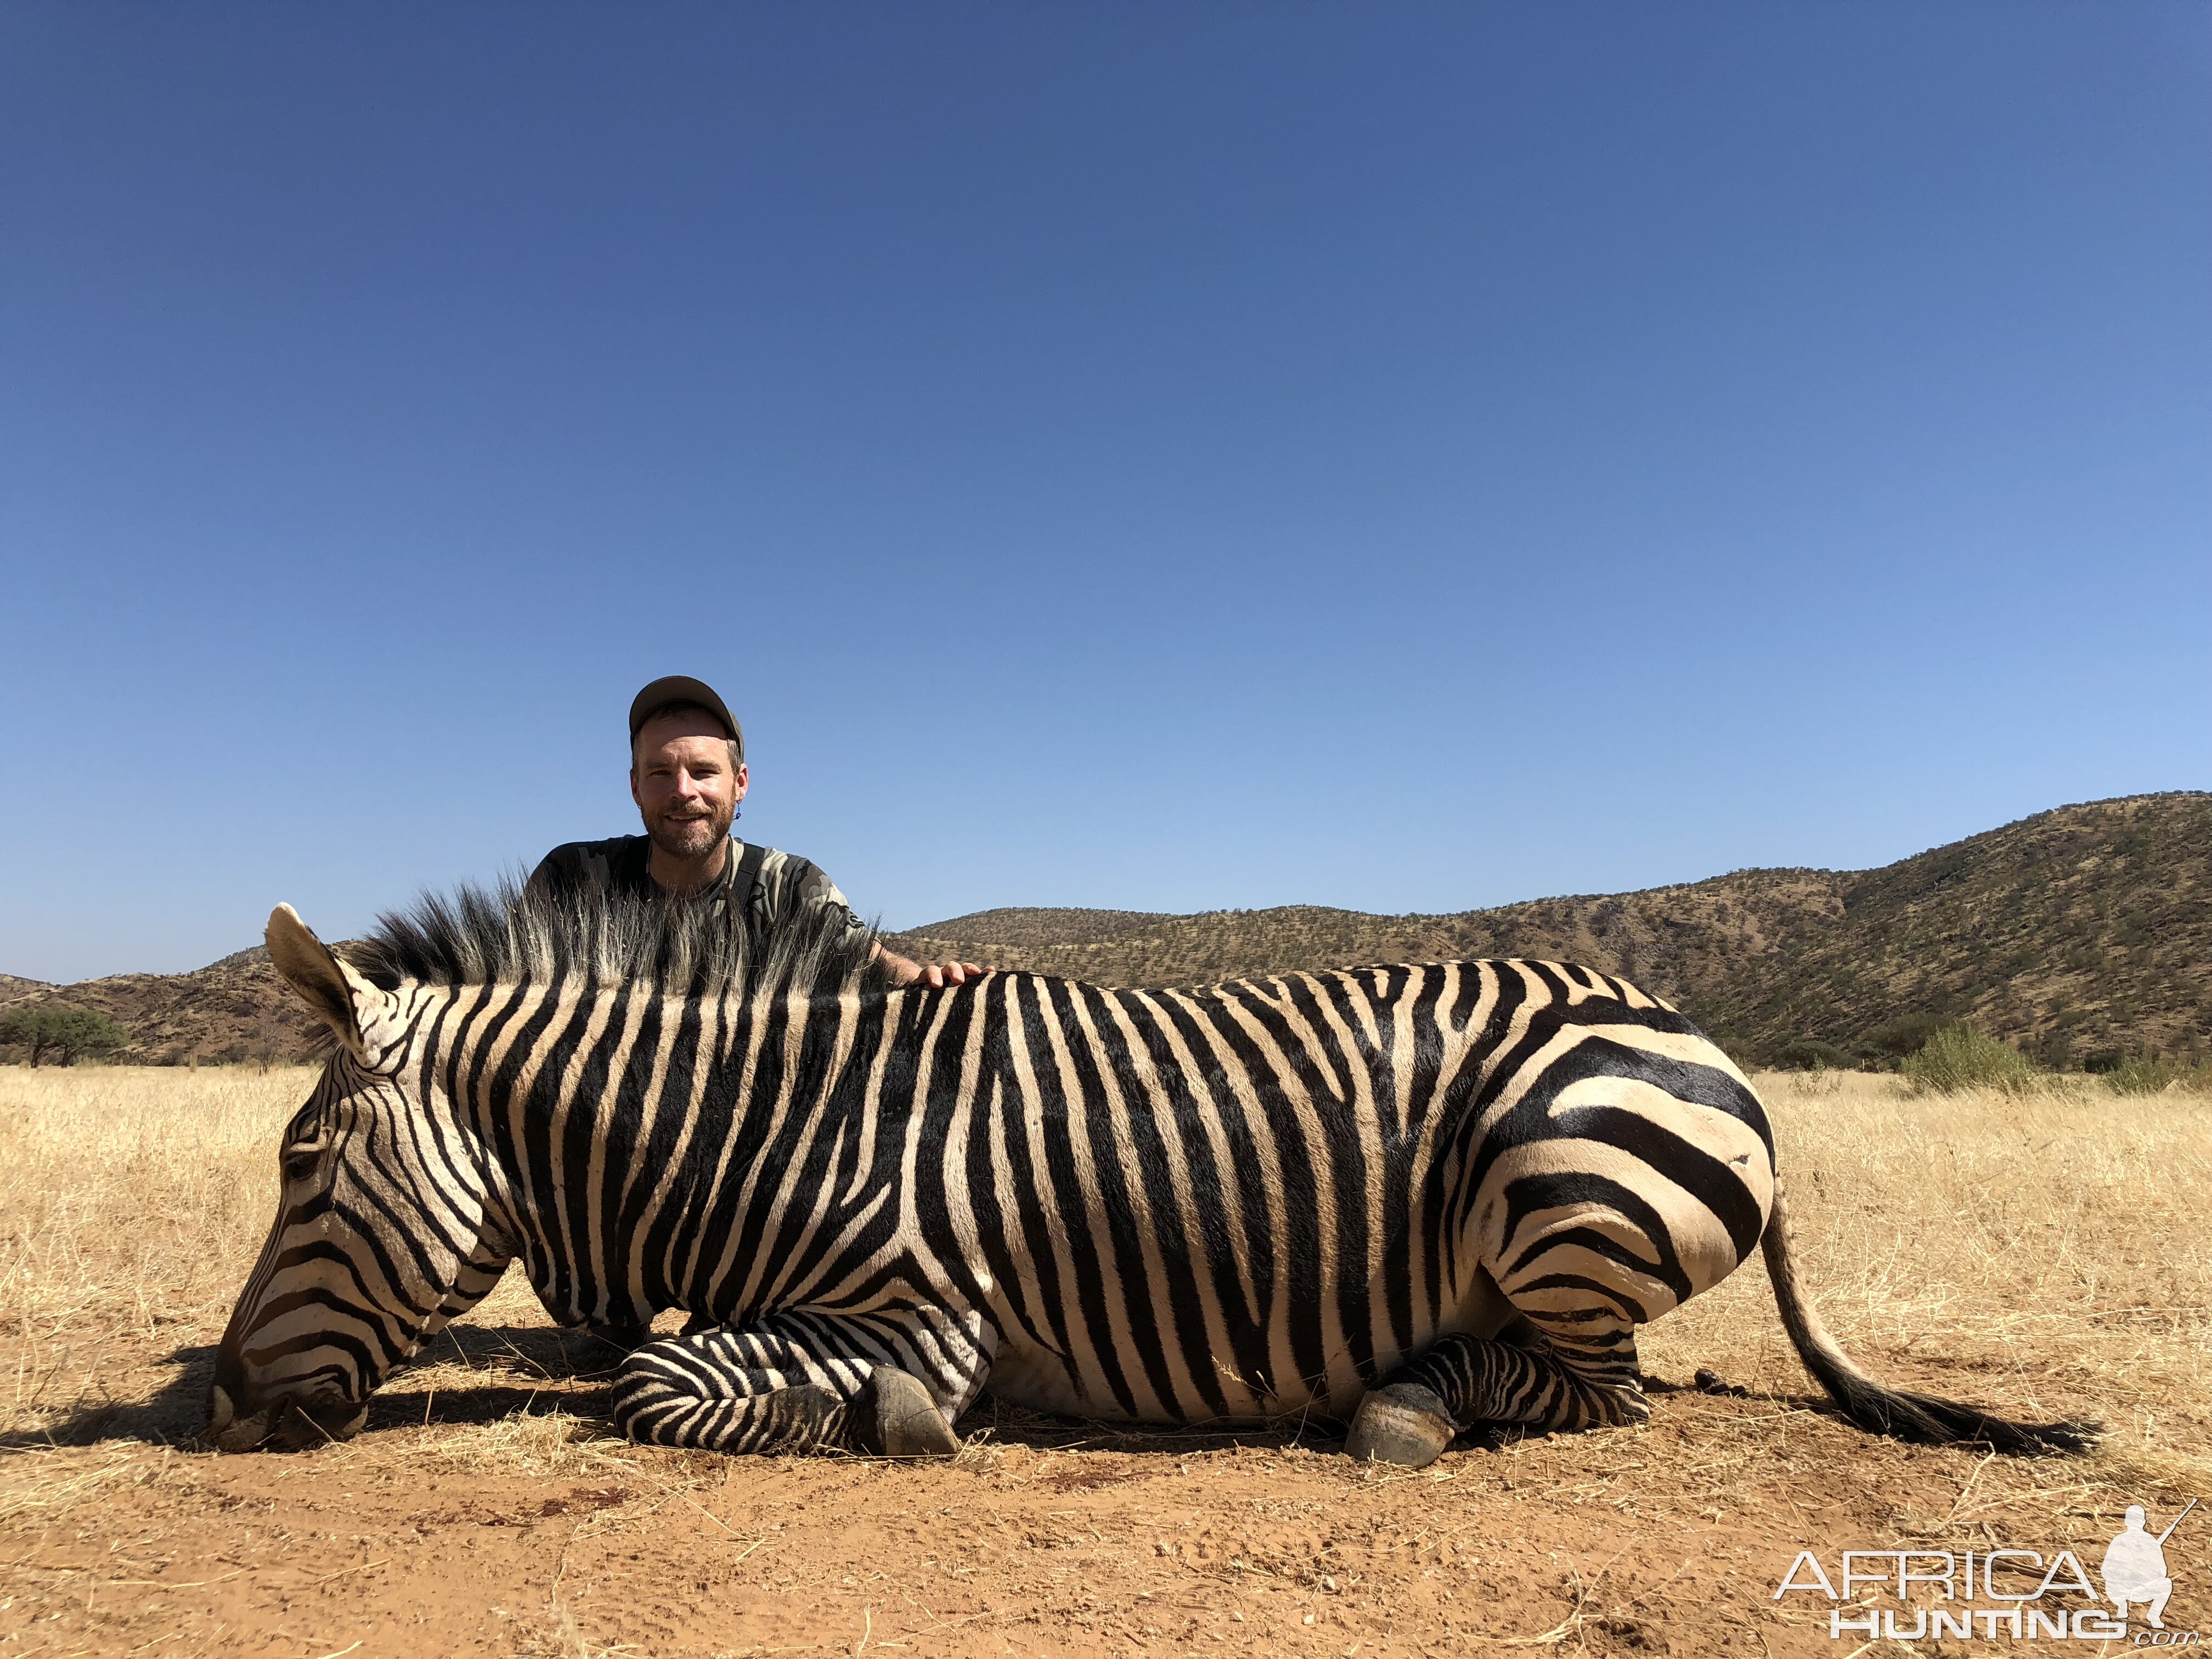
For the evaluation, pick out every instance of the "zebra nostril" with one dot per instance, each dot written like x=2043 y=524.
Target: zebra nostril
x=326 y=1419
x=242 y=1435
x=296 y=1430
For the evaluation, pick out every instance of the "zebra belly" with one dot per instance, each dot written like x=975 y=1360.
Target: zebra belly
x=1025 y=1374
x=1021 y=1374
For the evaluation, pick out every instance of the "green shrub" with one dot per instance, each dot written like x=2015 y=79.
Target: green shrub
x=66 y=1033
x=1957 y=1057
x=1810 y=1054
x=1887 y=1044
x=2147 y=1073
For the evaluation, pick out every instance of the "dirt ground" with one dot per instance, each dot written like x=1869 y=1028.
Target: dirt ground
x=2044 y=1257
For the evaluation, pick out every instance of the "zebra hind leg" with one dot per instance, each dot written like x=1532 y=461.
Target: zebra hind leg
x=1583 y=1381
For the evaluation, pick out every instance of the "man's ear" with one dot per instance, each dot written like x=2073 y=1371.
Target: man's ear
x=355 y=1010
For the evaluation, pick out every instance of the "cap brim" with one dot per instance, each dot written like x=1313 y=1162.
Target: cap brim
x=681 y=687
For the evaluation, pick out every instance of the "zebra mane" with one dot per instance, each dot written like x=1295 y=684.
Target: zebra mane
x=509 y=934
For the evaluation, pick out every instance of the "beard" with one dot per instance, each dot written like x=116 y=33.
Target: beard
x=689 y=838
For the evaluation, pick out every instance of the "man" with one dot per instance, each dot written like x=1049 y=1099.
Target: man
x=687 y=775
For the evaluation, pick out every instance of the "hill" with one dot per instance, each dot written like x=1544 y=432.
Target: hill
x=2076 y=933
x=230 y=1010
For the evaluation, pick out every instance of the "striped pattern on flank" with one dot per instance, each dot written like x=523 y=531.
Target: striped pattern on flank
x=1231 y=1204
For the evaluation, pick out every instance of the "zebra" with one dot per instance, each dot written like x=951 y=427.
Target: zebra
x=1420 y=1198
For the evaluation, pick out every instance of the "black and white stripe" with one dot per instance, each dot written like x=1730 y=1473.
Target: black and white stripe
x=1450 y=1191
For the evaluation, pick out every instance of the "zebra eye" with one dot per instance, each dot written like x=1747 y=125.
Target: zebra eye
x=301 y=1163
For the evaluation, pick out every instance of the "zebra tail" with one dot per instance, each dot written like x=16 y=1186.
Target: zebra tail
x=1889 y=1411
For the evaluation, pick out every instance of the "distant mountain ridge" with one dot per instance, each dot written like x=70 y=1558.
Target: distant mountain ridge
x=2083 y=930
x=226 y=1011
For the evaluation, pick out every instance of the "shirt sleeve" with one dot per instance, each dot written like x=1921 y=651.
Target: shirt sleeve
x=554 y=875
x=813 y=890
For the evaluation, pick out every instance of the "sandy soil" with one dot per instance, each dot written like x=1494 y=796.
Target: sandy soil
x=486 y=1511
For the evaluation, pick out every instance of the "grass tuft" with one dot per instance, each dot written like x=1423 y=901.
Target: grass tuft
x=2151 y=1074
x=1956 y=1058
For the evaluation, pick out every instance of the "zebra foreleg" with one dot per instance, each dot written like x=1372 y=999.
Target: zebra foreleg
x=793 y=1385
x=1582 y=1381
x=701 y=1389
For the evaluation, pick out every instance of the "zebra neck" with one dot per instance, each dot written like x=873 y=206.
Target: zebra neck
x=642 y=1140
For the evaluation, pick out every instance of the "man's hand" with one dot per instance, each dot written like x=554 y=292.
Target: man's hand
x=937 y=975
x=942 y=974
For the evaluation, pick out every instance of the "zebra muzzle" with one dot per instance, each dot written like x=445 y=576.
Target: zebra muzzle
x=295 y=1425
x=319 y=1422
x=238 y=1434
x=226 y=1430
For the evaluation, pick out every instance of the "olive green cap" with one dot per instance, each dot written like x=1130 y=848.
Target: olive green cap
x=682 y=687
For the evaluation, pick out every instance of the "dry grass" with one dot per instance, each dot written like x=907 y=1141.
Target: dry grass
x=2053 y=1242
x=2048 y=1250
x=132 y=1202
x=2042 y=1255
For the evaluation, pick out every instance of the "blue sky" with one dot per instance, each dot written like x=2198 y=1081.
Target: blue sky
x=1401 y=456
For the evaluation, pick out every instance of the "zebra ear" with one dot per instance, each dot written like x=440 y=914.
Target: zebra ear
x=340 y=998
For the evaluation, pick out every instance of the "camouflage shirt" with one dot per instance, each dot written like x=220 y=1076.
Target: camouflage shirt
x=783 y=886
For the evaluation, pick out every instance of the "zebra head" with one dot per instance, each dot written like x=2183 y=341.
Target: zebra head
x=383 y=1230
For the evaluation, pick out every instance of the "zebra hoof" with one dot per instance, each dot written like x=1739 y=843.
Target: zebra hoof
x=893 y=1416
x=1403 y=1424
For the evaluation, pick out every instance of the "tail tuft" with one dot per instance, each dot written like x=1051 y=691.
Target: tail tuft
x=1892 y=1411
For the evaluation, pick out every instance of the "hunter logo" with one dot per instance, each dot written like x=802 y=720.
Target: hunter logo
x=2017 y=1595
x=2134 y=1567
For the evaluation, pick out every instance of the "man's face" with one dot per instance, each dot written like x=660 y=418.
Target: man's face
x=683 y=784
